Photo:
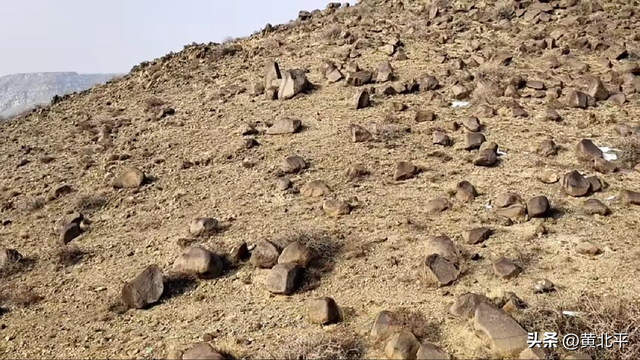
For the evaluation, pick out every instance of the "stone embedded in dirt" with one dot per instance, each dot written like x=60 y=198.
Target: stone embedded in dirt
x=59 y=191
x=284 y=126
x=440 y=271
x=440 y=138
x=473 y=140
x=459 y=92
x=518 y=111
x=476 y=235
x=511 y=91
x=271 y=93
x=547 y=147
x=538 y=206
x=597 y=89
x=385 y=325
x=334 y=75
x=465 y=192
x=203 y=226
x=9 y=257
x=588 y=248
x=360 y=99
x=516 y=213
x=535 y=84
x=424 y=115
x=618 y=99
x=130 y=177
x=359 y=133
x=549 y=176
x=578 y=99
x=356 y=171
x=465 y=306
x=385 y=73
x=264 y=255
x=315 y=188
x=596 y=183
x=405 y=170
x=70 y=232
x=595 y=206
x=200 y=262
x=359 y=78
x=145 y=289
x=323 y=311
x=388 y=49
x=443 y=246
x=293 y=164
x=630 y=197
x=293 y=83
x=552 y=115
x=490 y=88
x=335 y=208
x=238 y=253
x=429 y=83
x=587 y=150
x=472 y=124
x=512 y=303
x=505 y=268
x=403 y=346
x=271 y=72
x=437 y=205
x=496 y=326
x=295 y=253
x=604 y=166
x=507 y=199
x=574 y=184
x=429 y=351
x=487 y=154
x=202 y=351
x=284 y=278
x=535 y=353
x=283 y=184
x=543 y=286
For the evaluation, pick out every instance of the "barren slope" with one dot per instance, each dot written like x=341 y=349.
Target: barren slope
x=370 y=258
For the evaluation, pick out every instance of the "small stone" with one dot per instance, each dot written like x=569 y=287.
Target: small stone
x=334 y=75
x=284 y=278
x=440 y=271
x=70 y=232
x=553 y=115
x=459 y=92
x=578 y=99
x=335 y=208
x=511 y=91
x=543 y=286
x=516 y=213
x=323 y=311
x=549 y=176
x=604 y=166
x=575 y=184
x=487 y=155
x=429 y=83
x=424 y=115
x=359 y=134
x=293 y=164
x=202 y=351
x=284 y=126
x=437 y=205
x=271 y=72
x=595 y=182
x=534 y=353
x=476 y=235
x=356 y=171
x=293 y=83
x=385 y=325
x=203 y=226
x=518 y=111
x=630 y=197
x=472 y=124
x=402 y=345
x=595 y=206
x=538 y=206
x=388 y=49
x=618 y=99
x=429 y=351
x=501 y=330
x=473 y=140
x=239 y=253
x=200 y=262
x=507 y=199
x=405 y=170
x=534 y=84
x=145 y=289
x=264 y=255
x=385 y=73
x=547 y=147
x=465 y=306
x=505 y=268
x=315 y=188
x=588 y=248
x=440 y=138
x=130 y=177
x=283 y=184
x=360 y=99
x=597 y=89
x=465 y=192
x=587 y=150
x=359 y=78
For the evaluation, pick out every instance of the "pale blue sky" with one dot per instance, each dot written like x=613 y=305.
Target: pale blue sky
x=111 y=36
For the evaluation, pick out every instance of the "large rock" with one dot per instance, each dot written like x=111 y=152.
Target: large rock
x=200 y=262
x=405 y=170
x=293 y=83
x=145 y=289
x=401 y=346
x=203 y=226
x=271 y=72
x=587 y=150
x=496 y=326
x=597 y=89
x=284 y=278
x=439 y=271
x=360 y=99
x=574 y=184
x=429 y=351
x=130 y=177
x=385 y=325
x=295 y=253
x=323 y=311
x=264 y=255
x=202 y=351
x=465 y=306
x=630 y=197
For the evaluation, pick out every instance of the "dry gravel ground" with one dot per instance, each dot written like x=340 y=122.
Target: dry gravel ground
x=64 y=301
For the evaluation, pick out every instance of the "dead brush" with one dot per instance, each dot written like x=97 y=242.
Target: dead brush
x=595 y=314
x=153 y=103
x=20 y=298
x=630 y=154
x=69 y=256
x=88 y=202
x=341 y=345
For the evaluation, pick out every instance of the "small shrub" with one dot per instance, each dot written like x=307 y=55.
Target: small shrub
x=342 y=345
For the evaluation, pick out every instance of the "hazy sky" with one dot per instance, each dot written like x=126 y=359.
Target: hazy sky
x=111 y=36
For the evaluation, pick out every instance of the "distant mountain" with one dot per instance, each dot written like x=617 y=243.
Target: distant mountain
x=20 y=92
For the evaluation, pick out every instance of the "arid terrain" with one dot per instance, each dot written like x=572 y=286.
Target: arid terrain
x=401 y=126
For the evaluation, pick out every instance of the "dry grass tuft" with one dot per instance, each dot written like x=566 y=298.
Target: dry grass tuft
x=595 y=315
x=341 y=345
x=69 y=255
x=35 y=204
x=153 y=103
x=86 y=203
x=19 y=298
x=630 y=154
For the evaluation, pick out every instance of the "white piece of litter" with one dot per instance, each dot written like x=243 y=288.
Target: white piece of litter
x=606 y=153
x=570 y=313
x=499 y=152
x=457 y=104
x=609 y=157
x=611 y=197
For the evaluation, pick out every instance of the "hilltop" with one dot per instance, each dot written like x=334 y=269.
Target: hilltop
x=469 y=167
x=21 y=92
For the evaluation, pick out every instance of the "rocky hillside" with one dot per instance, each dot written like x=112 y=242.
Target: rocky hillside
x=396 y=179
x=20 y=92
